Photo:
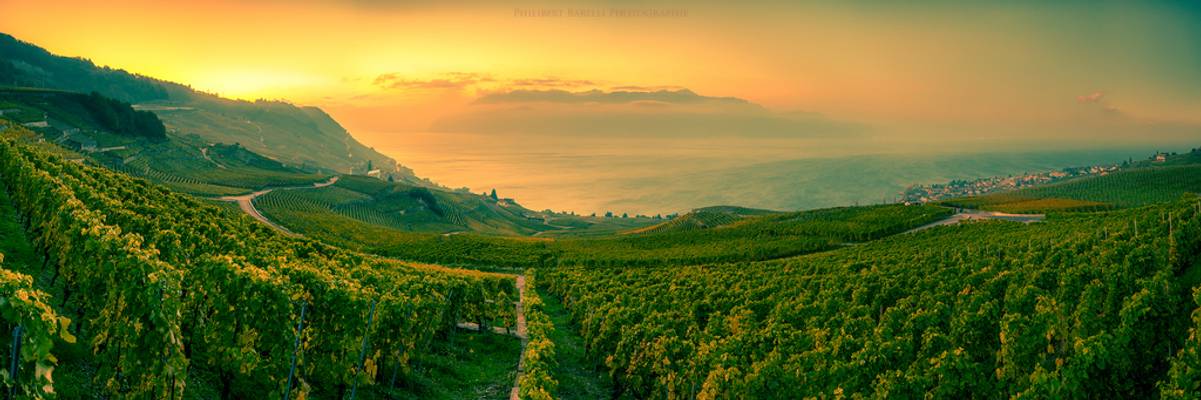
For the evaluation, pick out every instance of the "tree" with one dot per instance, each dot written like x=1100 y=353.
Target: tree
x=493 y=195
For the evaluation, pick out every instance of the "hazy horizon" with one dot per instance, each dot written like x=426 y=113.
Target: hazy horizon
x=659 y=176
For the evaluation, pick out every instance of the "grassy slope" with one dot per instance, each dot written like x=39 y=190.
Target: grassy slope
x=703 y=218
x=294 y=135
x=406 y=207
x=183 y=162
x=759 y=238
x=579 y=377
x=878 y=316
x=468 y=366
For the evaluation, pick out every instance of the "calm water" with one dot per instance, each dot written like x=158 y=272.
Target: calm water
x=648 y=176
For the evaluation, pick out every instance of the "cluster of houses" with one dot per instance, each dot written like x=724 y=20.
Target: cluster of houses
x=983 y=186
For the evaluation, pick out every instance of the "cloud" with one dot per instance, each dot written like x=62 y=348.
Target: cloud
x=1098 y=102
x=449 y=80
x=479 y=81
x=677 y=113
x=646 y=88
x=678 y=96
x=1094 y=97
x=551 y=82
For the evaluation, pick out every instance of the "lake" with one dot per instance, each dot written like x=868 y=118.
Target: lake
x=658 y=175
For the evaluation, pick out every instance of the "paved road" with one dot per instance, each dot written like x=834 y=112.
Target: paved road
x=965 y=214
x=246 y=202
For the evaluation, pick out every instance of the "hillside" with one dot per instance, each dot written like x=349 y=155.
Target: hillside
x=300 y=137
x=1139 y=184
x=134 y=291
x=190 y=164
x=310 y=212
x=1096 y=306
x=111 y=133
x=413 y=208
x=703 y=218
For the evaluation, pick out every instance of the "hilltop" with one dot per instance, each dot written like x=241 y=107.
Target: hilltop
x=205 y=145
x=297 y=136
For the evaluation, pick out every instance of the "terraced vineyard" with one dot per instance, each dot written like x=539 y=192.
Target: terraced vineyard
x=1126 y=188
x=169 y=289
x=1090 y=306
x=753 y=238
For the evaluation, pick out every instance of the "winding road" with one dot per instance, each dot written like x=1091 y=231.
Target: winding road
x=966 y=214
x=246 y=202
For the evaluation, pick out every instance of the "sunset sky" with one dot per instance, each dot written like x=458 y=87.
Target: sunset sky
x=936 y=68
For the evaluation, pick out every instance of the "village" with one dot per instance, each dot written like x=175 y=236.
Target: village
x=918 y=194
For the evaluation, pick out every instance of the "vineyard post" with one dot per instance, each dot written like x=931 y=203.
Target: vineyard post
x=363 y=350
x=16 y=353
x=295 y=349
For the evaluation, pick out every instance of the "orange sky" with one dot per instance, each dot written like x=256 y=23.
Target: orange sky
x=381 y=66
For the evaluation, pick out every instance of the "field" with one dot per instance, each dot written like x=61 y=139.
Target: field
x=171 y=293
x=1127 y=188
x=1089 y=306
x=758 y=238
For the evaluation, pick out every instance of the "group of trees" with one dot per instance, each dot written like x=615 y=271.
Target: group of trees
x=163 y=284
x=118 y=116
x=1092 y=305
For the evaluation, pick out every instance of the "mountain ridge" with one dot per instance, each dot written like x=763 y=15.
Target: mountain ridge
x=276 y=129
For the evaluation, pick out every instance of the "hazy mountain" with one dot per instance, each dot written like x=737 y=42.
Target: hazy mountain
x=299 y=136
x=678 y=113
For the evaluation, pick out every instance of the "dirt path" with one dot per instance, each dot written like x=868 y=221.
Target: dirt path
x=965 y=214
x=204 y=151
x=246 y=202
x=521 y=333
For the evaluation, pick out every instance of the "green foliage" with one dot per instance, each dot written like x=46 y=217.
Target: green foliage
x=753 y=238
x=154 y=273
x=709 y=217
x=1089 y=306
x=39 y=68
x=407 y=207
x=301 y=136
x=189 y=166
x=1126 y=188
x=89 y=111
x=23 y=306
x=538 y=361
x=758 y=238
x=118 y=116
x=579 y=376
